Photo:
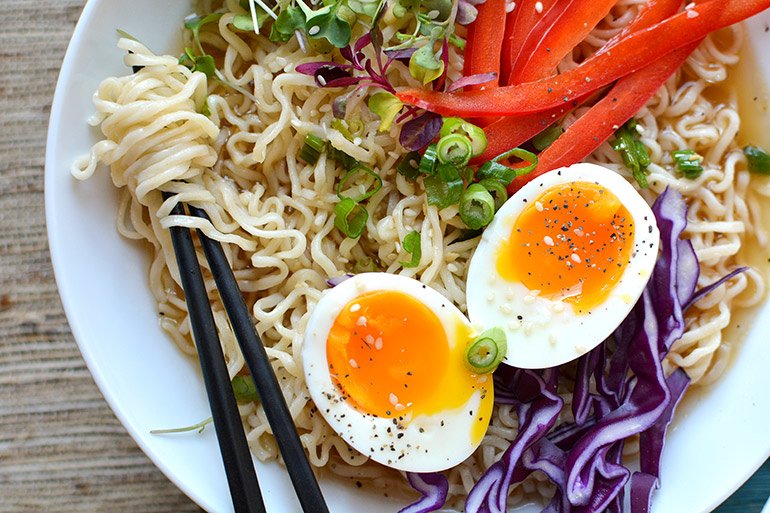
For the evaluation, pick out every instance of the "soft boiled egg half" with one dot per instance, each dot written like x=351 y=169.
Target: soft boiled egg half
x=562 y=264
x=385 y=363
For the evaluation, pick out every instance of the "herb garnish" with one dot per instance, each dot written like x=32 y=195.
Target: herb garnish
x=633 y=151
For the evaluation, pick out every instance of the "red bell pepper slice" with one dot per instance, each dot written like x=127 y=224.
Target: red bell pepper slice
x=625 y=99
x=529 y=24
x=631 y=53
x=509 y=132
x=484 y=42
x=575 y=21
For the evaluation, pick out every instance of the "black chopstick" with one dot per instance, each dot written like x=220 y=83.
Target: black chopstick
x=239 y=468
x=276 y=410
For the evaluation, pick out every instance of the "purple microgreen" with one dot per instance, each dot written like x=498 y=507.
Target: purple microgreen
x=471 y=80
x=311 y=68
x=466 y=12
x=419 y=132
x=347 y=53
x=441 y=82
x=403 y=55
x=410 y=112
x=376 y=33
x=339 y=82
x=362 y=42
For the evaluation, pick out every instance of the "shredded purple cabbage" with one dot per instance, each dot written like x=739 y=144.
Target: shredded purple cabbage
x=333 y=282
x=620 y=390
x=433 y=487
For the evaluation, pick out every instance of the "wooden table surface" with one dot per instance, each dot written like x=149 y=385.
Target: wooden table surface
x=61 y=448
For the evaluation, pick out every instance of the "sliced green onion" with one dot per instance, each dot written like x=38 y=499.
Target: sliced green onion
x=363 y=171
x=312 y=149
x=356 y=127
x=487 y=351
x=444 y=188
x=688 y=163
x=758 y=159
x=546 y=138
x=501 y=172
x=460 y=126
x=455 y=149
x=477 y=206
x=412 y=245
x=429 y=160
x=467 y=174
x=365 y=265
x=342 y=127
x=497 y=190
x=343 y=159
x=350 y=218
x=244 y=389
x=633 y=151
x=409 y=165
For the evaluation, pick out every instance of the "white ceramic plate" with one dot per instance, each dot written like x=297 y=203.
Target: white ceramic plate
x=149 y=384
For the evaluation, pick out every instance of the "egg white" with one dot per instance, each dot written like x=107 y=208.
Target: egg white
x=425 y=443
x=542 y=332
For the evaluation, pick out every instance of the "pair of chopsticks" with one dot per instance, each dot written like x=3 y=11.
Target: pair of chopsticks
x=241 y=476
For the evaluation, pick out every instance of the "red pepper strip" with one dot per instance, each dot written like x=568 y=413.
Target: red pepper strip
x=527 y=19
x=597 y=125
x=510 y=132
x=634 y=52
x=484 y=42
x=505 y=58
x=571 y=27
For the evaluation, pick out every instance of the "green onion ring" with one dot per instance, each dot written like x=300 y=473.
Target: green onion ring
x=487 y=351
x=455 y=149
x=477 y=206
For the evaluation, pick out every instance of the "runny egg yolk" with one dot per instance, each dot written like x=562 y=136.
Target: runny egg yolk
x=573 y=242
x=390 y=355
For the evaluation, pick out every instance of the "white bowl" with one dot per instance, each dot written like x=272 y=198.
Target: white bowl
x=715 y=445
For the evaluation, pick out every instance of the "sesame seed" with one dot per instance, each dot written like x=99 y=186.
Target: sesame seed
x=539 y=7
x=355 y=308
x=548 y=240
x=353 y=363
x=393 y=398
x=361 y=321
x=315 y=29
x=575 y=258
x=378 y=343
x=539 y=206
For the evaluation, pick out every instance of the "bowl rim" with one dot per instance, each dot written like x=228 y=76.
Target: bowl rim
x=69 y=303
